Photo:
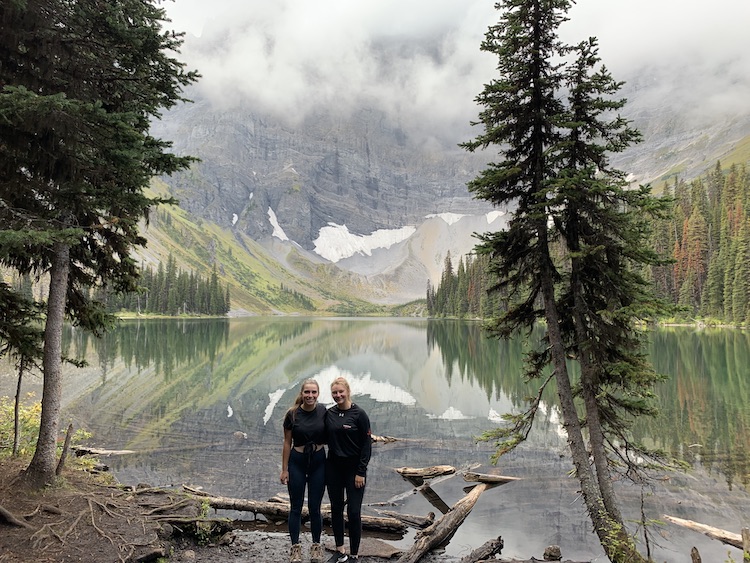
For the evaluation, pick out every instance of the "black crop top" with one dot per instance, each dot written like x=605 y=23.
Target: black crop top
x=307 y=426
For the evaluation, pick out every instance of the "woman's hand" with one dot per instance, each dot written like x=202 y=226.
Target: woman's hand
x=284 y=477
x=359 y=481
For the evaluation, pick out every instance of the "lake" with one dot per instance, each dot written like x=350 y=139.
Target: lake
x=180 y=392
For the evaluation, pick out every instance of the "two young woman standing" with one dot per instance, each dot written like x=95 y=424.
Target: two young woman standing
x=345 y=427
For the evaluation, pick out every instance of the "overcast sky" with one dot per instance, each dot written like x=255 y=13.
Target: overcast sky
x=420 y=59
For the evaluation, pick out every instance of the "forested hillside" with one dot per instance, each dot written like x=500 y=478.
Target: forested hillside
x=706 y=238
x=172 y=291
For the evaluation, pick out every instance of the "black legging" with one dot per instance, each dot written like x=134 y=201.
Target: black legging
x=306 y=469
x=340 y=474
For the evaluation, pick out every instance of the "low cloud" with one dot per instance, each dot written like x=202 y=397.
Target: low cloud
x=419 y=61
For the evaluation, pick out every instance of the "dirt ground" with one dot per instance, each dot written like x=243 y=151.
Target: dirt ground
x=89 y=518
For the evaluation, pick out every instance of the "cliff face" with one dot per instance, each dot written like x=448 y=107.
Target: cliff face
x=282 y=181
x=362 y=172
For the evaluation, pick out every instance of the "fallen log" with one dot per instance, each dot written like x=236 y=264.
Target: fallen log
x=487 y=478
x=417 y=475
x=383 y=439
x=81 y=451
x=444 y=528
x=729 y=538
x=409 y=519
x=425 y=489
x=280 y=511
x=488 y=550
x=434 y=499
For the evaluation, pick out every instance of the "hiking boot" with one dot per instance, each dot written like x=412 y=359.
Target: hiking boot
x=316 y=553
x=295 y=555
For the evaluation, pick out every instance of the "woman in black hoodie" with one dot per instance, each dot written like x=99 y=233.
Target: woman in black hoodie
x=349 y=450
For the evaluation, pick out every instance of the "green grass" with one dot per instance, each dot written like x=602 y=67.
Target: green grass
x=257 y=282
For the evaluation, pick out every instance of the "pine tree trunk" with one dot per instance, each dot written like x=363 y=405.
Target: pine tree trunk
x=612 y=535
x=41 y=471
x=589 y=389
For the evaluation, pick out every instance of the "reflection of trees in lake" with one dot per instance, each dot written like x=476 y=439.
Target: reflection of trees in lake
x=704 y=415
x=164 y=344
x=496 y=365
x=173 y=367
x=704 y=404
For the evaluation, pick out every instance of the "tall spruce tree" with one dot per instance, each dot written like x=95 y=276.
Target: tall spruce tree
x=559 y=260
x=605 y=230
x=80 y=83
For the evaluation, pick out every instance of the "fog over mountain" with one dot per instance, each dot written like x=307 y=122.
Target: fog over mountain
x=318 y=120
x=420 y=62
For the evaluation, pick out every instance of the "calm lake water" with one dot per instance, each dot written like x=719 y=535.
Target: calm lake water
x=178 y=392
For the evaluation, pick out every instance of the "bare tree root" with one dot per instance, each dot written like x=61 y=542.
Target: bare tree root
x=43 y=508
x=174 y=506
x=134 y=491
x=44 y=534
x=72 y=526
x=13 y=520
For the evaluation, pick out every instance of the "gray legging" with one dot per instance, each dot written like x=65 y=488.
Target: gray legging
x=308 y=468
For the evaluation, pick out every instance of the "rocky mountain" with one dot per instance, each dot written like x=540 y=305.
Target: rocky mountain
x=361 y=172
x=356 y=192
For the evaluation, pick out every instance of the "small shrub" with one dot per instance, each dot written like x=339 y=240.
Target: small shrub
x=28 y=426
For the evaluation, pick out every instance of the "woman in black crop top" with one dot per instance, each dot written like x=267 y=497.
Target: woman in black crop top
x=303 y=464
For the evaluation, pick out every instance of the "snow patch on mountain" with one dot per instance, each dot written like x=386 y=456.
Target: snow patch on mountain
x=493 y=216
x=278 y=232
x=335 y=242
x=449 y=218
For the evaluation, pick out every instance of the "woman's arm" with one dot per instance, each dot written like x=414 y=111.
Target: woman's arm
x=365 y=443
x=285 y=452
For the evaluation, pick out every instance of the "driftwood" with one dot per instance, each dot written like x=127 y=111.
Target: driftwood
x=80 y=451
x=417 y=475
x=427 y=492
x=280 y=511
x=488 y=550
x=490 y=479
x=383 y=439
x=444 y=528
x=410 y=519
x=723 y=536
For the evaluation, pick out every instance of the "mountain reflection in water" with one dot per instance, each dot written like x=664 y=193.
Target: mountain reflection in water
x=202 y=401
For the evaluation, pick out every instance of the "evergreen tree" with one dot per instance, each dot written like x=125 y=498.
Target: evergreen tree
x=81 y=82
x=554 y=169
x=461 y=297
x=740 y=303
